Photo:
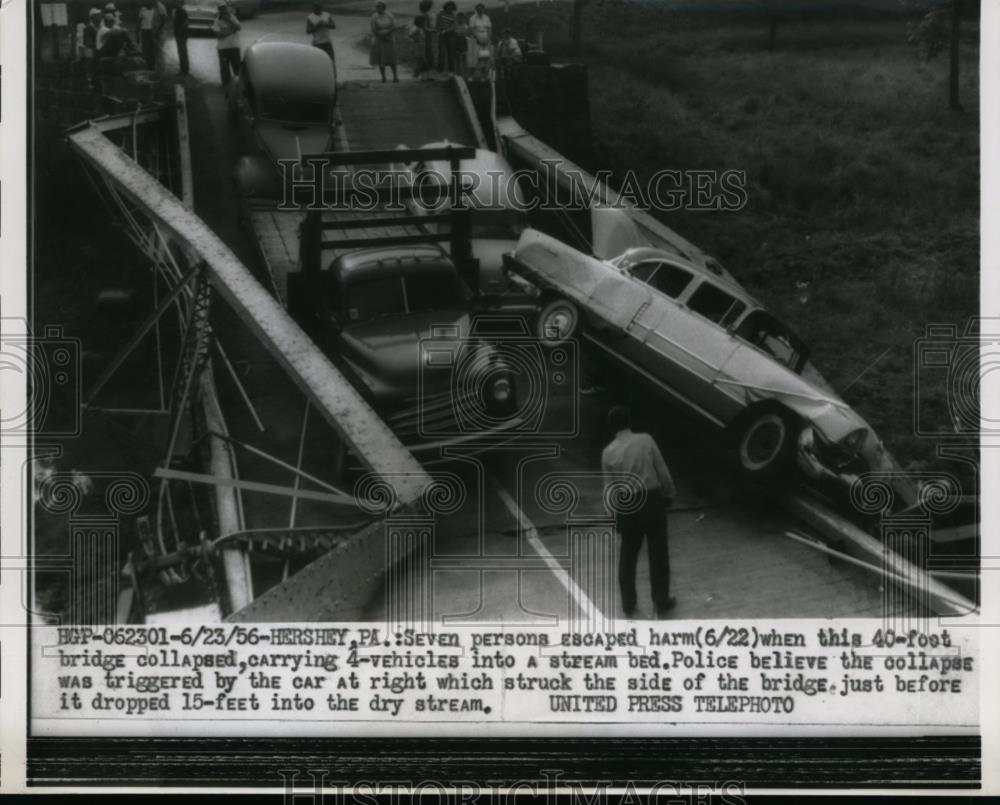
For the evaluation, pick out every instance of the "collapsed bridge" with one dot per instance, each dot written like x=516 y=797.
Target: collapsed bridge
x=348 y=559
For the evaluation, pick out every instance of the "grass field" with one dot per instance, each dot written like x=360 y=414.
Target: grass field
x=862 y=222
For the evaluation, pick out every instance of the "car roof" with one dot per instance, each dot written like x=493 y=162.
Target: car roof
x=298 y=72
x=642 y=253
x=371 y=263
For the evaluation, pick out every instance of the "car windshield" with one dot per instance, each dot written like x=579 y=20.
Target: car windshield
x=399 y=295
x=768 y=334
x=293 y=111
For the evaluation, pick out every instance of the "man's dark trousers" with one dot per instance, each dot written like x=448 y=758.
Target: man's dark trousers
x=148 y=49
x=182 y=54
x=229 y=63
x=649 y=523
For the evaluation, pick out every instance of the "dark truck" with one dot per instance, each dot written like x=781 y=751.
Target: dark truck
x=409 y=299
x=393 y=299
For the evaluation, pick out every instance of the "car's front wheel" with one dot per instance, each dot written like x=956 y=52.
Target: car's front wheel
x=765 y=440
x=558 y=322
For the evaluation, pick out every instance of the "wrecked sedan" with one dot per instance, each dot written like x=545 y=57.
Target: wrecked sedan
x=701 y=340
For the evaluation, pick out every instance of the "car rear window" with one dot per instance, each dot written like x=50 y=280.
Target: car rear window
x=716 y=305
x=292 y=111
x=398 y=295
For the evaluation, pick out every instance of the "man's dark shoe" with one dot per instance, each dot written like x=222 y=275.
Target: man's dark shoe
x=669 y=604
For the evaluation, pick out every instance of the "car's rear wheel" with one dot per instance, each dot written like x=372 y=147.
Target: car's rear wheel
x=765 y=440
x=558 y=322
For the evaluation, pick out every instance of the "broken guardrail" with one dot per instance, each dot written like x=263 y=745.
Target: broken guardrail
x=378 y=449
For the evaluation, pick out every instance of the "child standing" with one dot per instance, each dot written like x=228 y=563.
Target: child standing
x=418 y=35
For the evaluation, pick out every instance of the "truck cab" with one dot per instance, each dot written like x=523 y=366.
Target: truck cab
x=400 y=322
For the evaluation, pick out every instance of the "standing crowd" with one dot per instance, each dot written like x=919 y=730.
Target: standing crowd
x=453 y=42
x=446 y=42
x=106 y=46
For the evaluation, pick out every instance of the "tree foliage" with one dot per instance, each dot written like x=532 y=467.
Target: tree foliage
x=931 y=33
x=938 y=30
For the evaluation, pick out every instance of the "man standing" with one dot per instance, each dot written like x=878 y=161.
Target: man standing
x=227 y=30
x=159 y=26
x=181 y=37
x=636 y=456
x=89 y=44
x=481 y=34
x=147 y=34
x=113 y=40
x=480 y=23
x=111 y=8
x=320 y=24
x=445 y=25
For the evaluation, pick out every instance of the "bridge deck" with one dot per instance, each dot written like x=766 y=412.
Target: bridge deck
x=412 y=113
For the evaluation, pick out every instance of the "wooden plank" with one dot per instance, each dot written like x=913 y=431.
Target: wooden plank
x=945 y=600
x=184 y=145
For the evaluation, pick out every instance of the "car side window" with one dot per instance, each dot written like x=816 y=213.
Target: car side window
x=672 y=280
x=715 y=304
x=766 y=333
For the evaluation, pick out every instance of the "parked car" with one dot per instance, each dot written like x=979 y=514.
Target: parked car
x=283 y=102
x=201 y=13
x=698 y=338
x=399 y=321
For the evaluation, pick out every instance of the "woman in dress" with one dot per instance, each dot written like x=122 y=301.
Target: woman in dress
x=383 y=52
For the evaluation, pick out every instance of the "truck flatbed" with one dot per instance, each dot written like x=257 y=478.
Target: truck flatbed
x=372 y=116
x=277 y=234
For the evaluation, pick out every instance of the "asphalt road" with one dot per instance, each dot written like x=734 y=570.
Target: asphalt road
x=507 y=553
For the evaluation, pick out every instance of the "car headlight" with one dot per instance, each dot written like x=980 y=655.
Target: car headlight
x=854 y=441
